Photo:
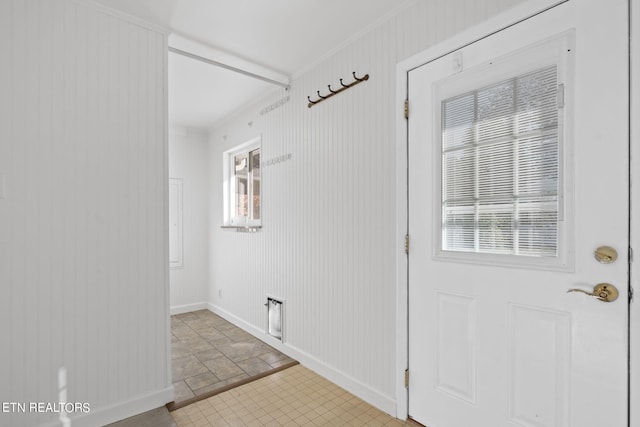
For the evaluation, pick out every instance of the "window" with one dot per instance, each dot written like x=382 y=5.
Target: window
x=242 y=185
x=500 y=167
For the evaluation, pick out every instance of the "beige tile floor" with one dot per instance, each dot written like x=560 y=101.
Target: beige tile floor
x=293 y=397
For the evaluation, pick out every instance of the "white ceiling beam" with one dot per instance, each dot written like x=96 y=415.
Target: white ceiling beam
x=184 y=46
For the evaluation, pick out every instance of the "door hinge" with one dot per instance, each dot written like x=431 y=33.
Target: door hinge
x=630 y=254
x=560 y=96
x=406 y=378
x=406 y=109
x=630 y=294
x=406 y=244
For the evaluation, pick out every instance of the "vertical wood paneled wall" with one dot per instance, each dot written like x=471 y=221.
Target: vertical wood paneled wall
x=327 y=246
x=83 y=224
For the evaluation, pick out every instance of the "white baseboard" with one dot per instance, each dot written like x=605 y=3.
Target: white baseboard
x=352 y=385
x=179 y=309
x=122 y=410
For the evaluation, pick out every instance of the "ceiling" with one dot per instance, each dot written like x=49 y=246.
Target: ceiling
x=267 y=37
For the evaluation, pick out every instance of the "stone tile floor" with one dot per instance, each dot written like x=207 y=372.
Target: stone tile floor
x=209 y=353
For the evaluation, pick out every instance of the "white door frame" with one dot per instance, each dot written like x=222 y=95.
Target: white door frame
x=501 y=21
x=634 y=170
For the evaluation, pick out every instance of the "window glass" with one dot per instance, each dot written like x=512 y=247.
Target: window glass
x=243 y=185
x=500 y=167
x=255 y=176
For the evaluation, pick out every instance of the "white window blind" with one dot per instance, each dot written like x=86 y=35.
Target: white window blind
x=500 y=167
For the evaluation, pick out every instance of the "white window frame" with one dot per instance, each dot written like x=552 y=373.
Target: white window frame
x=549 y=52
x=228 y=169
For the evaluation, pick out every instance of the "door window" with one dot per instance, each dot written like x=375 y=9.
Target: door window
x=500 y=167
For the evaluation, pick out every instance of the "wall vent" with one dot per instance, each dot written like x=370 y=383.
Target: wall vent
x=275 y=309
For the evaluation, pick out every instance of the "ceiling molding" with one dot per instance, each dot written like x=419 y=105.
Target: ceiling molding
x=402 y=6
x=133 y=19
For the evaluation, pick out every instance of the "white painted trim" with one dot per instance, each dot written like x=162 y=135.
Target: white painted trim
x=477 y=32
x=184 y=43
x=126 y=17
x=165 y=173
x=352 y=385
x=402 y=261
x=188 y=308
x=228 y=186
x=473 y=34
x=634 y=307
x=120 y=411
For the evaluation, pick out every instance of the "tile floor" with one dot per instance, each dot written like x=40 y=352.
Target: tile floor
x=159 y=417
x=209 y=353
x=293 y=397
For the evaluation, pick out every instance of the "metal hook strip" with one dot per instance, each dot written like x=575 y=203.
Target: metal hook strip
x=335 y=92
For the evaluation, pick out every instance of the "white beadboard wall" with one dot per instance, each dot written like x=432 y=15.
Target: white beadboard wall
x=188 y=150
x=83 y=218
x=328 y=243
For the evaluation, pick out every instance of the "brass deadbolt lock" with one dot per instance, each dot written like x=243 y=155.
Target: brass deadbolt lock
x=605 y=255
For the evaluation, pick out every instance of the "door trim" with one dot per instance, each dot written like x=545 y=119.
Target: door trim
x=634 y=238
x=485 y=29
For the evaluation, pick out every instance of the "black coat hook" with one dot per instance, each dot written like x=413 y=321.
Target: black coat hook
x=365 y=77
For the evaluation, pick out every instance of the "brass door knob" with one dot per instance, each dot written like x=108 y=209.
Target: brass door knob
x=603 y=291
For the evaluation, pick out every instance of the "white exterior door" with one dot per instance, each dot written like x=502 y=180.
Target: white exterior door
x=518 y=172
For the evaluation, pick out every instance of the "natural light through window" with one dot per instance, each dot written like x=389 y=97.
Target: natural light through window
x=500 y=167
x=242 y=185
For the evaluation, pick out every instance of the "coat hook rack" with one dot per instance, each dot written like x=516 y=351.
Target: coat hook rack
x=333 y=92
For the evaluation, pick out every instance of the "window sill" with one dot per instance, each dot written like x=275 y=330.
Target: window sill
x=242 y=228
